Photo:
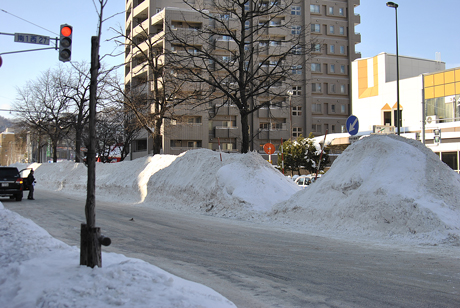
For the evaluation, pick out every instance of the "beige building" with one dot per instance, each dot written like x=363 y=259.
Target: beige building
x=11 y=148
x=320 y=94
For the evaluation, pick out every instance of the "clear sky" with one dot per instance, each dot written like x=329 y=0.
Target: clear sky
x=424 y=27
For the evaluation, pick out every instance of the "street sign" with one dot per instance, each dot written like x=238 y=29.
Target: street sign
x=31 y=38
x=352 y=125
x=269 y=148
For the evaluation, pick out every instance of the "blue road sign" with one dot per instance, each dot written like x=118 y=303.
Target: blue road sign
x=352 y=125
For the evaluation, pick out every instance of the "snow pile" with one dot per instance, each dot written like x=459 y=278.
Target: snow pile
x=195 y=180
x=199 y=180
x=382 y=185
x=28 y=253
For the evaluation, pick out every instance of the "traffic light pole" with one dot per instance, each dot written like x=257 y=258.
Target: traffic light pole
x=27 y=50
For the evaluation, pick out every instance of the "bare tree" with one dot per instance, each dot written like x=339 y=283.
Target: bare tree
x=44 y=106
x=236 y=59
x=79 y=84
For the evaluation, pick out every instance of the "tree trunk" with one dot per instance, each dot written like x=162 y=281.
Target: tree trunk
x=89 y=254
x=157 y=139
x=90 y=249
x=244 y=132
x=54 y=146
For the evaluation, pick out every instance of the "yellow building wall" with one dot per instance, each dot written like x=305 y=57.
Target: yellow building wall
x=442 y=84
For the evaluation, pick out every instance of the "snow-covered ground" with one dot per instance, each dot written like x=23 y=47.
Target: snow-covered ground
x=382 y=189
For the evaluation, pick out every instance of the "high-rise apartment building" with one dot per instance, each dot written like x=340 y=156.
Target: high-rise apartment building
x=318 y=96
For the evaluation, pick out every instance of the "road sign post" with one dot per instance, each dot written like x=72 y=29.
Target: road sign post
x=269 y=148
x=352 y=125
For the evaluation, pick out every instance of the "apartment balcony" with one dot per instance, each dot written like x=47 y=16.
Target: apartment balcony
x=190 y=35
x=356 y=37
x=225 y=110
x=141 y=10
x=225 y=132
x=273 y=112
x=186 y=131
x=278 y=30
x=141 y=29
x=226 y=45
x=357 y=19
x=278 y=49
x=274 y=134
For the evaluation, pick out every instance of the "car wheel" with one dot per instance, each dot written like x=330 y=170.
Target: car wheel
x=19 y=197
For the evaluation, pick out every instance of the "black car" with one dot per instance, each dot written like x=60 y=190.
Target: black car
x=11 y=183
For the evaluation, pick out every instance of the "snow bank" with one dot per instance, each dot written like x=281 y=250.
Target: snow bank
x=193 y=181
x=382 y=185
x=28 y=254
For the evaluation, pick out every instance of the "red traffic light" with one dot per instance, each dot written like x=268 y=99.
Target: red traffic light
x=66 y=31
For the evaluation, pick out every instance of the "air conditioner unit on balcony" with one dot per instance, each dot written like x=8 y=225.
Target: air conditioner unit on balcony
x=431 y=120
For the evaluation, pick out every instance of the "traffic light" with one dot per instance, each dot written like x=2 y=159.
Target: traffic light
x=65 y=43
x=437 y=136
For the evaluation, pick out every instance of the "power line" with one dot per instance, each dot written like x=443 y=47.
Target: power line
x=28 y=22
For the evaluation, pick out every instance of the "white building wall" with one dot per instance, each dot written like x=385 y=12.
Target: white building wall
x=368 y=107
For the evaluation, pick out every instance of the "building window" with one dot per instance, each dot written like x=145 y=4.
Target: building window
x=295 y=10
x=316 y=47
x=333 y=108
x=297 y=50
x=342 y=109
x=342 y=50
x=332 y=128
x=316 y=108
x=331 y=48
x=331 y=10
x=316 y=128
x=175 y=143
x=316 y=67
x=316 y=87
x=275 y=43
x=342 y=69
x=227 y=146
x=315 y=28
x=296 y=29
x=297 y=69
x=342 y=30
x=331 y=29
x=264 y=126
x=332 y=68
x=296 y=90
x=314 y=8
x=332 y=88
x=296 y=131
x=140 y=145
x=194 y=144
x=297 y=111
x=341 y=12
x=229 y=124
x=342 y=89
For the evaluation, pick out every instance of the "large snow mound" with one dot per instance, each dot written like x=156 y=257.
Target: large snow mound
x=196 y=180
x=382 y=184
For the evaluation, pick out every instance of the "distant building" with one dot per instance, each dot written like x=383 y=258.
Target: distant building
x=11 y=148
x=429 y=101
x=320 y=97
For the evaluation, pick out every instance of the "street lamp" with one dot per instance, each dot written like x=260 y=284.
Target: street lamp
x=290 y=92
x=398 y=125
